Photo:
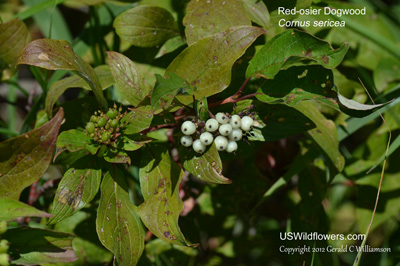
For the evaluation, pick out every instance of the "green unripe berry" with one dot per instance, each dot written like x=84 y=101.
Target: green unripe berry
x=225 y=129
x=112 y=113
x=221 y=142
x=188 y=128
x=3 y=227
x=4 y=259
x=114 y=123
x=232 y=146
x=93 y=118
x=4 y=246
x=206 y=138
x=198 y=146
x=212 y=125
x=90 y=127
x=105 y=136
x=222 y=118
x=101 y=121
x=186 y=141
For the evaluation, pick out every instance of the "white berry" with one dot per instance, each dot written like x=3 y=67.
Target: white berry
x=235 y=121
x=232 y=146
x=206 y=138
x=211 y=125
x=221 y=142
x=222 y=118
x=225 y=129
x=236 y=134
x=188 y=128
x=247 y=123
x=186 y=141
x=198 y=146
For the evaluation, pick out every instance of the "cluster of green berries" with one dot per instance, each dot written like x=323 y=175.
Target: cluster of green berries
x=224 y=131
x=4 y=244
x=104 y=128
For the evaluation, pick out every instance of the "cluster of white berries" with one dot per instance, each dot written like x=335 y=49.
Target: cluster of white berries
x=222 y=130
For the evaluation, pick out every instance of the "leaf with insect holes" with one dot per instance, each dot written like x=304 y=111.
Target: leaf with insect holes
x=77 y=188
x=59 y=87
x=289 y=47
x=13 y=209
x=146 y=26
x=118 y=224
x=25 y=158
x=203 y=18
x=13 y=37
x=160 y=178
x=127 y=75
x=207 y=63
x=206 y=167
x=58 y=54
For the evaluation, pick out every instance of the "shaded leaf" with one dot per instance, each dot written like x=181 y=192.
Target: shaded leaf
x=13 y=209
x=116 y=156
x=257 y=12
x=387 y=71
x=13 y=37
x=130 y=81
x=75 y=140
x=289 y=47
x=206 y=18
x=118 y=224
x=59 y=87
x=25 y=158
x=34 y=246
x=206 y=167
x=146 y=26
x=137 y=119
x=58 y=54
x=159 y=181
x=207 y=63
x=130 y=144
x=77 y=188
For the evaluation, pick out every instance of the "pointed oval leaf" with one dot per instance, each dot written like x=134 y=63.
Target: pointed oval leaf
x=293 y=44
x=13 y=209
x=75 y=140
x=13 y=37
x=138 y=119
x=127 y=75
x=77 y=188
x=206 y=18
x=160 y=178
x=207 y=63
x=146 y=26
x=206 y=167
x=59 y=87
x=118 y=224
x=58 y=54
x=25 y=158
x=258 y=12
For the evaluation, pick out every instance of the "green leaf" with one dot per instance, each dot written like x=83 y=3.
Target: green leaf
x=257 y=12
x=59 y=87
x=206 y=18
x=137 y=119
x=77 y=188
x=207 y=63
x=13 y=209
x=75 y=140
x=34 y=246
x=170 y=46
x=27 y=13
x=130 y=81
x=146 y=26
x=13 y=37
x=133 y=144
x=206 y=167
x=356 y=106
x=58 y=54
x=387 y=71
x=159 y=181
x=325 y=134
x=118 y=224
x=25 y=158
x=289 y=47
x=166 y=90
x=116 y=156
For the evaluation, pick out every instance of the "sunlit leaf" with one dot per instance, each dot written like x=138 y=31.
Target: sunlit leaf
x=130 y=81
x=207 y=63
x=206 y=18
x=289 y=47
x=257 y=12
x=59 y=87
x=159 y=181
x=13 y=37
x=77 y=188
x=58 y=54
x=146 y=26
x=75 y=140
x=25 y=158
x=118 y=224
x=34 y=246
x=138 y=119
x=13 y=209
x=170 y=46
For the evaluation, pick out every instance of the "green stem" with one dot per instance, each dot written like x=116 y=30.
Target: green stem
x=12 y=109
